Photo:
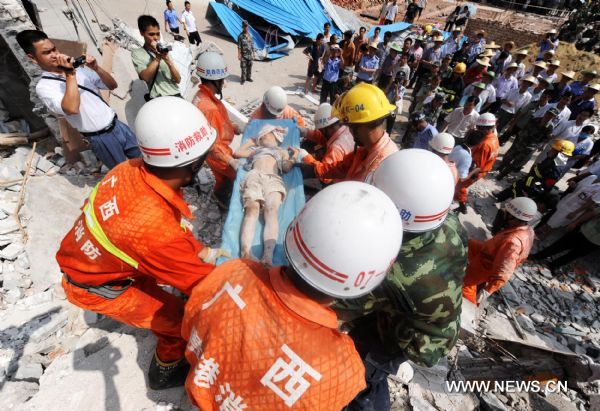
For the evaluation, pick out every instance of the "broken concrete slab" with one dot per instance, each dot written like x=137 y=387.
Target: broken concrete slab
x=8 y=225
x=12 y=251
x=28 y=371
x=113 y=377
x=16 y=393
x=55 y=322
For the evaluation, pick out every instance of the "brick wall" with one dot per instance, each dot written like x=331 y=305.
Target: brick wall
x=357 y=4
x=501 y=32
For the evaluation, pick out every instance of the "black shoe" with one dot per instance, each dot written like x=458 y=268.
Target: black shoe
x=242 y=81
x=250 y=80
x=162 y=376
x=462 y=208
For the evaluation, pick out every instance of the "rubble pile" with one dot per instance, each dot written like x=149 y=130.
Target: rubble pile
x=14 y=215
x=564 y=308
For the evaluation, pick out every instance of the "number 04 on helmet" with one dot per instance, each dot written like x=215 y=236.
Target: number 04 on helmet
x=345 y=239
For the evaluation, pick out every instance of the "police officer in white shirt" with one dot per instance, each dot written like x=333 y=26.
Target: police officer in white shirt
x=74 y=93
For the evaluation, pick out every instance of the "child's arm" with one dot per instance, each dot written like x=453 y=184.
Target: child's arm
x=287 y=162
x=245 y=150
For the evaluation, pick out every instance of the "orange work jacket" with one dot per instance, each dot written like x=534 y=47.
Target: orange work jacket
x=217 y=116
x=338 y=146
x=140 y=217
x=288 y=114
x=484 y=154
x=256 y=340
x=493 y=261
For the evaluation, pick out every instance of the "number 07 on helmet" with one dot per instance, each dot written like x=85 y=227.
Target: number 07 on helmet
x=345 y=239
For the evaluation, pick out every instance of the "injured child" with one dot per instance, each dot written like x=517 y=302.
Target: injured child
x=263 y=186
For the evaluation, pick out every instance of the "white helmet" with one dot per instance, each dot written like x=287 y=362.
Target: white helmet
x=442 y=143
x=522 y=208
x=345 y=239
x=211 y=66
x=275 y=100
x=172 y=132
x=421 y=185
x=486 y=120
x=323 y=117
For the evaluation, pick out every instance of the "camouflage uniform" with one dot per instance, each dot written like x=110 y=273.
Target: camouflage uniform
x=415 y=313
x=528 y=139
x=246 y=56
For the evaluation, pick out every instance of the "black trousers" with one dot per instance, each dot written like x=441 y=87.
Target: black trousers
x=328 y=90
x=378 y=365
x=384 y=81
x=573 y=242
x=194 y=38
x=174 y=30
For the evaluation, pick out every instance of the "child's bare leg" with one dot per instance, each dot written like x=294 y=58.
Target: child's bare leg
x=271 y=232
x=251 y=212
x=307 y=85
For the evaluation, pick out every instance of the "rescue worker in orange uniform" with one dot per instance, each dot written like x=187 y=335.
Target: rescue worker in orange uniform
x=492 y=262
x=212 y=70
x=442 y=145
x=364 y=108
x=332 y=135
x=266 y=339
x=130 y=235
x=275 y=106
x=484 y=155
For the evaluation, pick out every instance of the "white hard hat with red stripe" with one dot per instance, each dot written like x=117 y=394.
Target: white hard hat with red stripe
x=522 y=208
x=421 y=185
x=211 y=66
x=323 y=116
x=442 y=143
x=345 y=239
x=486 y=120
x=172 y=132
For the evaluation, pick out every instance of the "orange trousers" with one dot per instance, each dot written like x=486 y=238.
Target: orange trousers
x=143 y=305
x=461 y=192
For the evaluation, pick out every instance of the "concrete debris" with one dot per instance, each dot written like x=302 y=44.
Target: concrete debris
x=28 y=372
x=489 y=402
x=15 y=393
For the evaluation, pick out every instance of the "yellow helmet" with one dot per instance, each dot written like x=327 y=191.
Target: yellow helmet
x=460 y=68
x=363 y=103
x=565 y=147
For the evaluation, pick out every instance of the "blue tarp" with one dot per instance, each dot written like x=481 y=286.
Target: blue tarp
x=293 y=203
x=287 y=21
x=296 y=17
x=400 y=26
x=233 y=24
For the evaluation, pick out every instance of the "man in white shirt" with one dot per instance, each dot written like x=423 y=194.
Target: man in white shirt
x=561 y=105
x=189 y=25
x=462 y=119
x=390 y=13
x=73 y=92
x=513 y=101
x=567 y=130
x=504 y=83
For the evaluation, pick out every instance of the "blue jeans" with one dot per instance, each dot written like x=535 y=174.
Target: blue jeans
x=116 y=146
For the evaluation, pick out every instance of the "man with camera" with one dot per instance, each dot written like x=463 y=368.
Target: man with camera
x=70 y=87
x=152 y=62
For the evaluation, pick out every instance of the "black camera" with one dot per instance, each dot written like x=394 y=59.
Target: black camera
x=163 y=48
x=79 y=61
